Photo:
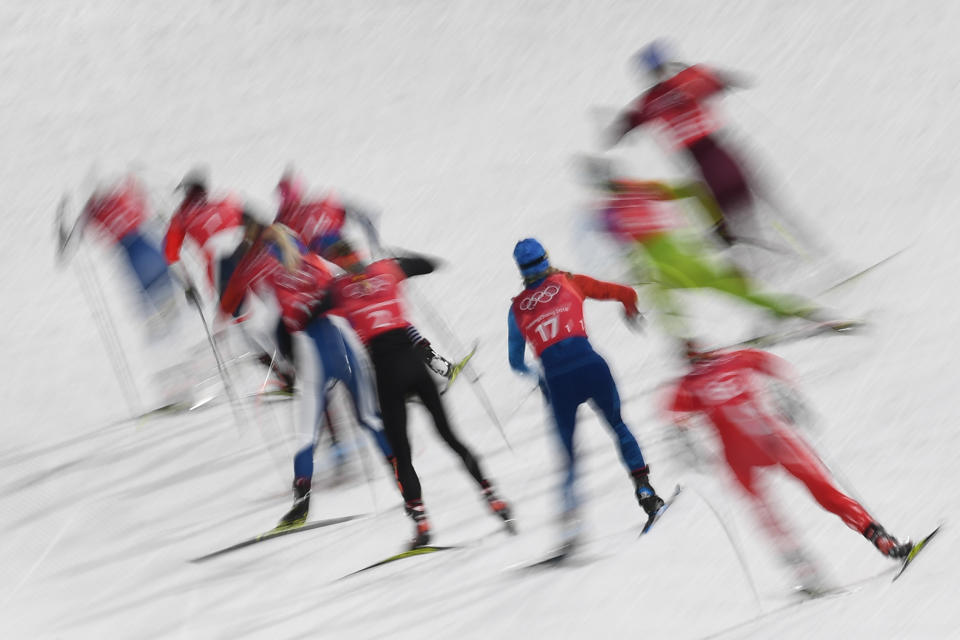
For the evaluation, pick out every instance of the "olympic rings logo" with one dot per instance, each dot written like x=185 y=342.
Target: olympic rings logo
x=546 y=295
x=367 y=287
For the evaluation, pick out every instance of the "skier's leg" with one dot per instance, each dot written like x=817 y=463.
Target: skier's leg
x=607 y=400
x=152 y=274
x=359 y=379
x=427 y=391
x=564 y=401
x=681 y=269
x=310 y=411
x=647 y=268
x=802 y=463
x=727 y=184
x=786 y=544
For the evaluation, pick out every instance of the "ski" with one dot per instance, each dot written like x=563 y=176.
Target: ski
x=271 y=395
x=458 y=367
x=801 y=599
x=655 y=516
x=555 y=558
x=409 y=553
x=917 y=548
x=862 y=272
x=276 y=533
x=794 y=335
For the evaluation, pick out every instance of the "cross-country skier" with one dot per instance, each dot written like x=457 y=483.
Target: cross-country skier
x=678 y=103
x=119 y=212
x=214 y=226
x=370 y=297
x=313 y=219
x=319 y=223
x=645 y=216
x=548 y=314
x=325 y=347
x=727 y=387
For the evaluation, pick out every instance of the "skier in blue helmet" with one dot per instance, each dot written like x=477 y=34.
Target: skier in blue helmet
x=548 y=314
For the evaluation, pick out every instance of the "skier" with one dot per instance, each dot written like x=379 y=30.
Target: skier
x=678 y=103
x=119 y=213
x=548 y=314
x=726 y=388
x=326 y=348
x=646 y=217
x=369 y=295
x=314 y=219
x=214 y=226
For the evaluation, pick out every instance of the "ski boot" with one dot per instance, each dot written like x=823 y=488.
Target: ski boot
x=421 y=534
x=646 y=495
x=571 y=534
x=285 y=378
x=809 y=582
x=886 y=543
x=297 y=515
x=499 y=507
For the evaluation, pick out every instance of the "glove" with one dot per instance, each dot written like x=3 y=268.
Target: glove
x=190 y=293
x=634 y=319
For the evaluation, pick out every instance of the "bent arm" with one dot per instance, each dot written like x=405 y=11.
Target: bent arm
x=601 y=290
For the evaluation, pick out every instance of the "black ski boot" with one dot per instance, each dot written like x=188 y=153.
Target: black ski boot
x=499 y=507
x=886 y=543
x=297 y=515
x=421 y=534
x=646 y=495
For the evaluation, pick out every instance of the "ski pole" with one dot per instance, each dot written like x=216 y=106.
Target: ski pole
x=736 y=547
x=224 y=376
x=93 y=293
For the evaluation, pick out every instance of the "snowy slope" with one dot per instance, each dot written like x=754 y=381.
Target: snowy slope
x=458 y=120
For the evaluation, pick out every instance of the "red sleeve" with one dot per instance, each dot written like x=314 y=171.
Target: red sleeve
x=630 y=120
x=600 y=290
x=701 y=83
x=244 y=277
x=234 y=293
x=173 y=241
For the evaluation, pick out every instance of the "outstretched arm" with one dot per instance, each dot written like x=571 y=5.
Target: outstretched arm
x=625 y=122
x=601 y=290
x=416 y=265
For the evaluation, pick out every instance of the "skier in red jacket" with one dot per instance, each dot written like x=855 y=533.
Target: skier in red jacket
x=678 y=103
x=726 y=388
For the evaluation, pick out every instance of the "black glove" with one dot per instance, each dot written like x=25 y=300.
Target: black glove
x=636 y=322
x=190 y=293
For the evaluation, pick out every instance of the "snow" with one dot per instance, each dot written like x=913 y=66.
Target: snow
x=459 y=121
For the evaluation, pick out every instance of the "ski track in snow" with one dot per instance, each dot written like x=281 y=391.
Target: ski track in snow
x=457 y=122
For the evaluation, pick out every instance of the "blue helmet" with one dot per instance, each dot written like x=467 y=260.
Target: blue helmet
x=652 y=57
x=531 y=257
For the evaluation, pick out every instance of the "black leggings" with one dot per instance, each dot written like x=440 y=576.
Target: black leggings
x=401 y=373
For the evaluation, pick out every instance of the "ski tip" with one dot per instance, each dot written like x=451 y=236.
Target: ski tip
x=917 y=548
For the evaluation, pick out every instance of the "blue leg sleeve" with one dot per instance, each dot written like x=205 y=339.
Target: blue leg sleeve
x=565 y=419
x=607 y=401
x=303 y=463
